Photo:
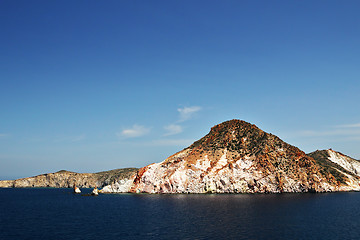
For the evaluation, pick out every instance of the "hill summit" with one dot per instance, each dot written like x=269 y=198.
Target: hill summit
x=238 y=157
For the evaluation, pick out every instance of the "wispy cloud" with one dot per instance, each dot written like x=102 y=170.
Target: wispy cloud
x=355 y=125
x=345 y=130
x=172 y=142
x=135 y=131
x=187 y=113
x=328 y=133
x=173 y=129
x=70 y=138
x=3 y=135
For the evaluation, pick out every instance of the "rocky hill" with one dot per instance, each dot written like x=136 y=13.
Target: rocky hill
x=336 y=163
x=67 y=179
x=238 y=157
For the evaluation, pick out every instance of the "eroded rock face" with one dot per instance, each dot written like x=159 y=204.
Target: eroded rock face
x=344 y=161
x=66 y=179
x=121 y=186
x=238 y=157
x=346 y=170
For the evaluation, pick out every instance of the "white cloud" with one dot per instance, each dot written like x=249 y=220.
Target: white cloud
x=135 y=131
x=69 y=138
x=187 y=112
x=172 y=129
x=356 y=125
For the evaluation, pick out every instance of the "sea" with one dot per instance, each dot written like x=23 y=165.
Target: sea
x=48 y=213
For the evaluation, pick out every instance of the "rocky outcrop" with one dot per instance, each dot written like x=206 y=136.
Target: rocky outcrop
x=345 y=169
x=67 y=179
x=238 y=157
x=348 y=164
x=77 y=189
x=120 y=186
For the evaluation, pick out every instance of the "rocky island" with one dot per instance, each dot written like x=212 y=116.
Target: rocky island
x=234 y=157
x=238 y=157
x=67 y=179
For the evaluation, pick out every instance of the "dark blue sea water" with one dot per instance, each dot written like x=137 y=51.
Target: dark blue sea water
x=59 y=214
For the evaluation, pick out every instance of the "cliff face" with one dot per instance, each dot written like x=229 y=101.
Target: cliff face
x=238 y=157
x=66 y=179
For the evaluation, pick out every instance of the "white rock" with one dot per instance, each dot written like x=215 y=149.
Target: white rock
x=77 y=190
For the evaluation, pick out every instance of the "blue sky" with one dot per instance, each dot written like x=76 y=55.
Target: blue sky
x=90 y=85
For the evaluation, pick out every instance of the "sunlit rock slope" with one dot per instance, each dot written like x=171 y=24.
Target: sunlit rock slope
x=345 y=169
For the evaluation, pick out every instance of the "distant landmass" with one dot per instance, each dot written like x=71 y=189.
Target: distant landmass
x=67 y=179
x=234 y=157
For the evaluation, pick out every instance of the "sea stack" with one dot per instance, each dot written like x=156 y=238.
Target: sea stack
x=95 y=192
x=76 y=189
